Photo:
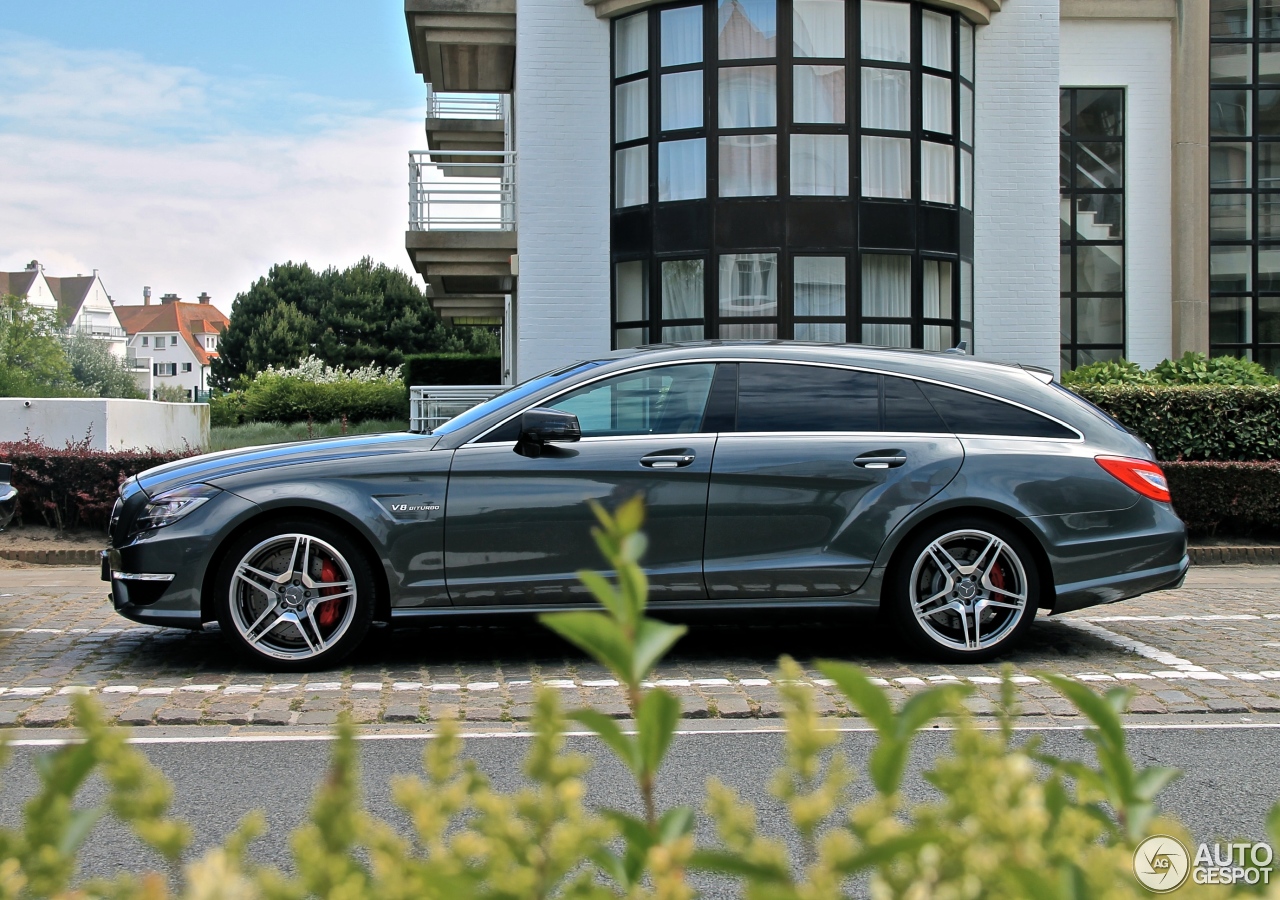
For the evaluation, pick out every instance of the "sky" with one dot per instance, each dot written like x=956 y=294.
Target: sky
x=189 y=146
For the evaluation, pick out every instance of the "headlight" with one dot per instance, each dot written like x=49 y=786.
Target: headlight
x=167 y=508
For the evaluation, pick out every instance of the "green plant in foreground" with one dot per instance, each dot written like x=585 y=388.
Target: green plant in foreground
x=1001 y=818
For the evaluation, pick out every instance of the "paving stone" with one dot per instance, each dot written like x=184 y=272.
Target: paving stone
x=1143 y=705
x=318 y=717
x=693 y=707
x=1260 y=703
x=8 y=717
x=178 y=715
x=1060 y=707
x=399 y=712
x=521 y=712
x=1226 y=706
x=980 y=706
x=733 y=707
x=438 y=712
x=47 y=715
x=272 y=716
x=484 y=714
x=1174 y=697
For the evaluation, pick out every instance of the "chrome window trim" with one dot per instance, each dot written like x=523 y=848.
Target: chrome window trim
x=1079 y=437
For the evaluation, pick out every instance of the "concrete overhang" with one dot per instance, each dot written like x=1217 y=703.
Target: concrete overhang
x=468 y=273
x=469 y=135
x=463 y=45
x=979 y=12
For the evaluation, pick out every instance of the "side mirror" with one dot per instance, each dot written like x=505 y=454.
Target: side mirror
x=543 y=426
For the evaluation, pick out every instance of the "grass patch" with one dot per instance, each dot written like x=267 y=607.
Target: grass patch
x=254 y=434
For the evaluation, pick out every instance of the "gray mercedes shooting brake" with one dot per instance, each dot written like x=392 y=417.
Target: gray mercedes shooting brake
x=957 y=496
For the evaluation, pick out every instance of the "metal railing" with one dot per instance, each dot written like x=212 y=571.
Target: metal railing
x=492 y=107
x=98 y=331
x=430 y=407
x=462 y=190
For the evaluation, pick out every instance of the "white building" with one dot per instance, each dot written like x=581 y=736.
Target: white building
x=1051 y=181
x=174 y=341
x=81 y=302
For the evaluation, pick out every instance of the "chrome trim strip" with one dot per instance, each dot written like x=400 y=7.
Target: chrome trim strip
x=140 y=576
x=1079 y=438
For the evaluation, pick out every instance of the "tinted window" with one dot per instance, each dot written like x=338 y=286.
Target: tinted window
x=664 y=400
x=967 y=413
x=532 y=386
x=777 y=397
x=907 y=410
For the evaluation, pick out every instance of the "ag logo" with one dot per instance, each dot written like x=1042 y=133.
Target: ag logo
x=1161 y=864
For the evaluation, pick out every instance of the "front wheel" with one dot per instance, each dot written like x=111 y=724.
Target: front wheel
x=964 y=590
x=295 y=595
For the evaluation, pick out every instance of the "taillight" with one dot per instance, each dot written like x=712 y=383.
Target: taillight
x=1144 y=477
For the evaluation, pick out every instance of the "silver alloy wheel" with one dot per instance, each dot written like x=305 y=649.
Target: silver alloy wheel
x=292 y=597
x=968 y=590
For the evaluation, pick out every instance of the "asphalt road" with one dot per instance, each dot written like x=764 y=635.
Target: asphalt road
x=1232 y=776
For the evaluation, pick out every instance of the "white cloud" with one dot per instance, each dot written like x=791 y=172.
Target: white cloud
x=149 y=174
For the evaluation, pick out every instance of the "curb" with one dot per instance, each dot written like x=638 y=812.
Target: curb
x=1234 y=556
x=62 y=557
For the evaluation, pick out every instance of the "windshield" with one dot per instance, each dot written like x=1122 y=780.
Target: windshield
x=520 y=391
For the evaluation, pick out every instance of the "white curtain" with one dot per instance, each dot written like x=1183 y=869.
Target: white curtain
x=682 y=333
x=820 y=165
x=937 y=172
x=631 y=337
x=886 y=31
x=881 y=335
x=966 y=114
x=632 y=176
x=966 y=179
x=886 y=286
x=749 y=284
x=632 y=109
x=682 y=296
x=748 y=331
x=935 y=41
x=633 y=291
x=818 y=94
x=820 y=331
x=886 y=99
x=886 y=167
x=937 y=289
x=819 y=286
x=966 y=294
x=966 y=49
x=749 y=165
x=681 y=36
x=682 y=100
x=631 y=44
x=748 y=97
x=747 y=29
x=936 y=104
x=682 y=170
x=937 y=337
x=819 y=28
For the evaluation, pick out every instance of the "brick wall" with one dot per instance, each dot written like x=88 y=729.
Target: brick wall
x=1136 y=55
x=1016 y=185
x=562 y=141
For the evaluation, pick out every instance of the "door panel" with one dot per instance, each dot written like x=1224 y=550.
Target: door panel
x=800 y=515
x=519 y=529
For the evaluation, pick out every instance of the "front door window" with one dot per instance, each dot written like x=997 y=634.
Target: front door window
x=663 y=400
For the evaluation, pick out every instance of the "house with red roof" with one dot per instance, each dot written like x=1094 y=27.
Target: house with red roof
x=80 y=302
x=178 y=341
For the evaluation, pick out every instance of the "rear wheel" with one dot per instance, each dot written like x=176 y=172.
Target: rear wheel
x=965 y=590
x=295 y=595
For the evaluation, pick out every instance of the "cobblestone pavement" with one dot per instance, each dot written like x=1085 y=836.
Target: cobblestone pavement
x=1211 y=647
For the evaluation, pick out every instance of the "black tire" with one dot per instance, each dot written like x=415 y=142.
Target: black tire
x=985 y=563
x=282 y=620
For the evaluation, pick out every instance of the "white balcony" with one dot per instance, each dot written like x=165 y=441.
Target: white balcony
x=460 y=190
x=484 y=107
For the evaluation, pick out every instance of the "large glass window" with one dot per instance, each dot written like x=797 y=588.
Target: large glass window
x=1244 y=181
x=1092 y=222
x=787 y=168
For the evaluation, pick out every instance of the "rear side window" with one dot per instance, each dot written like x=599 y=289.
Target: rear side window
x=906 y=409
x=967 y=413
x=780 y=397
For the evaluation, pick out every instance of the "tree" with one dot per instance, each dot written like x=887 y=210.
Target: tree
x=98 y=371
x=368 y=313
x=32 y=361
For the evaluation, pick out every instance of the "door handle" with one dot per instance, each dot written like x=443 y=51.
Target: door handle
x=667 y=460
x=880 y=460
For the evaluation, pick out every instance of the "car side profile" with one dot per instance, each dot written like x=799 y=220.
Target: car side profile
x=959 y=497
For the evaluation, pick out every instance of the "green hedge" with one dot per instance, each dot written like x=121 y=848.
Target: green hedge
x=451 y=368
x=1237 y=498
x=275 y=398
x=1196 y=422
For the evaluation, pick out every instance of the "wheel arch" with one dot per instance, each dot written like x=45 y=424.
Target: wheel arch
x=381 y=586
x=891 y=556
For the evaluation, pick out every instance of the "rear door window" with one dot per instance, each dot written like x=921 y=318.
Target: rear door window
x=782 y=397
x=966 y=413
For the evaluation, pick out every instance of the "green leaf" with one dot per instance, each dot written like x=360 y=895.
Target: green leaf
x=656 y=720
x=887 y=763
x=596 y=634
x=926 y=706
x=868 y=699
x=79 y=823
x=675 y=824
x=653 y=640
x=624 y=747
x=603 y=591
x=1095 y=708
x=630 y=515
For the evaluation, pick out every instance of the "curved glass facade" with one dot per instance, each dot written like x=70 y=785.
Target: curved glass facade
x=793 y=169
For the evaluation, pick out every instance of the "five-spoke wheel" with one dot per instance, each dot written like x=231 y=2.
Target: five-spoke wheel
x=295 y=595
x=964 y=590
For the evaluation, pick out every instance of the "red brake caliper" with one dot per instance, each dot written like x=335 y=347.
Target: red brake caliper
x=997 y=576
x=327 y=612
